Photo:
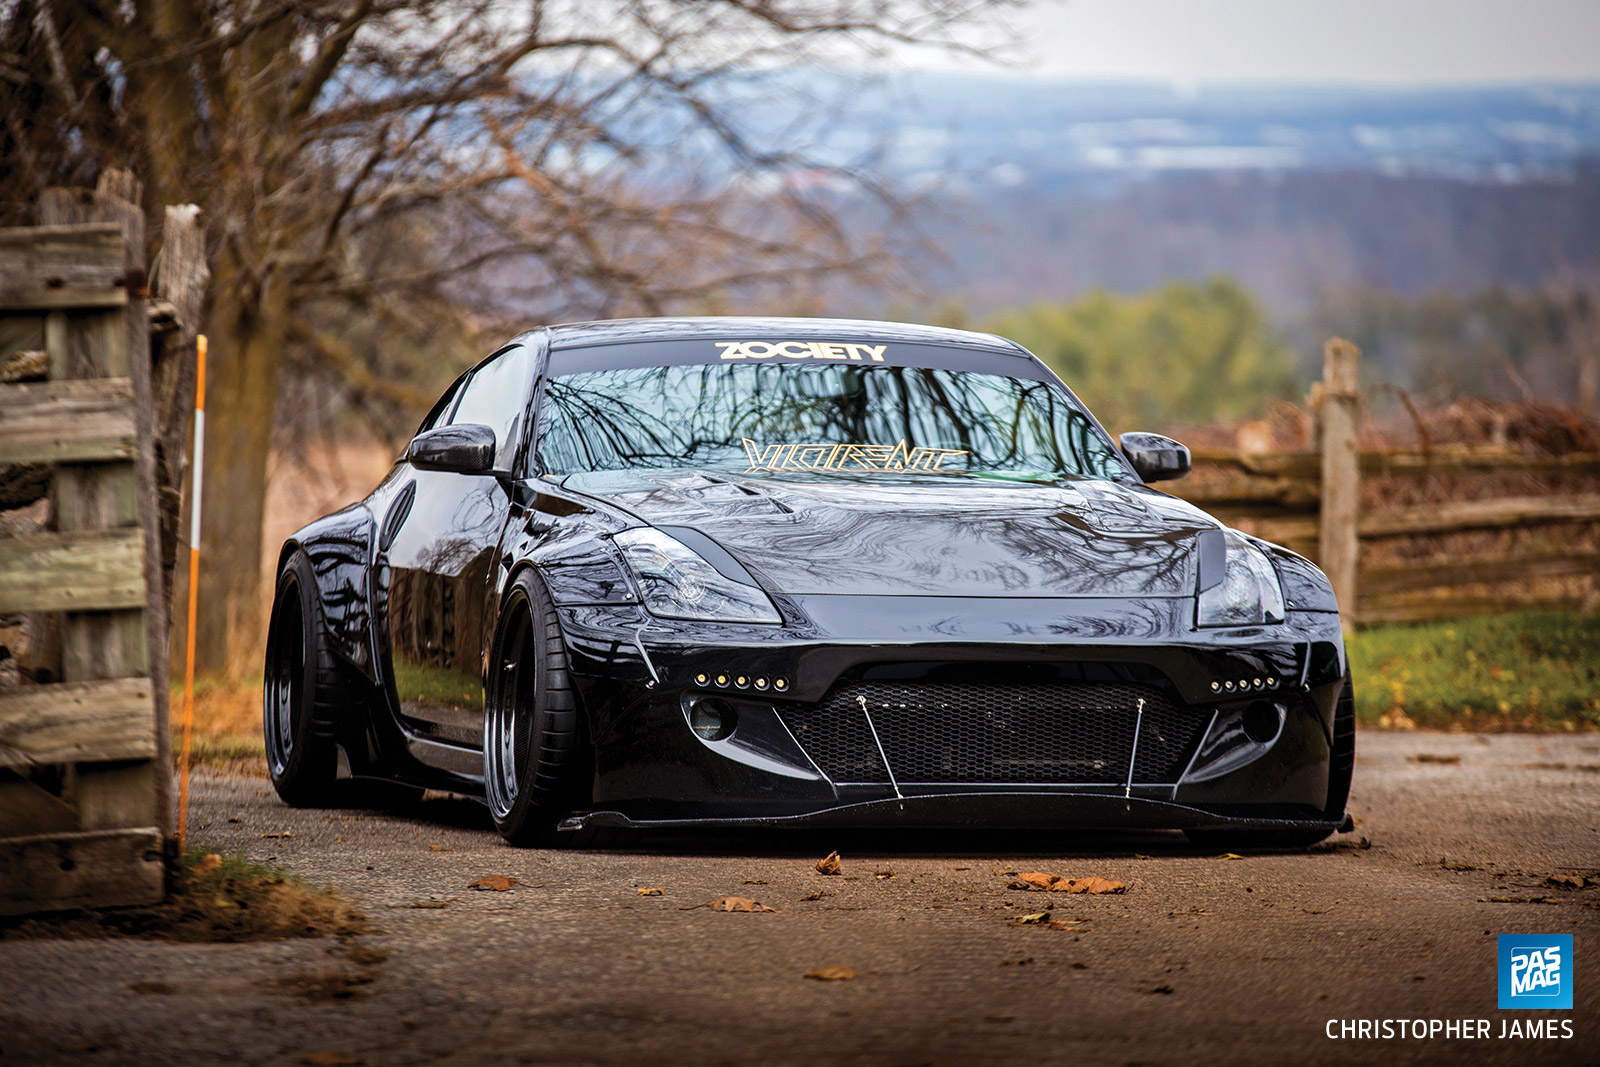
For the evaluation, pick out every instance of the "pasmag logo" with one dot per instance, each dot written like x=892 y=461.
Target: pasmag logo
x=1536 y=971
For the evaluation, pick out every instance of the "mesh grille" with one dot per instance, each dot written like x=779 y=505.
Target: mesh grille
x=1079 y=733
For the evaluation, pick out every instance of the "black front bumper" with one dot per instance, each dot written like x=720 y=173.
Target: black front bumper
x=952 y=720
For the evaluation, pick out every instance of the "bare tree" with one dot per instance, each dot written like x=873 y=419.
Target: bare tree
x=380 y=175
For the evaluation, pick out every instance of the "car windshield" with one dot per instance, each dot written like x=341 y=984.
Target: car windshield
x=830 y=420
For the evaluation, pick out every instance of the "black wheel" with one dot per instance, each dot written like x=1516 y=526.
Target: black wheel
x=299 y=692
x=1341 y=767
x=531 y=761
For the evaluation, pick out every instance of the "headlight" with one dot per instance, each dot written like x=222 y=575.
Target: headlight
x=678 y=584
x=1249 y=592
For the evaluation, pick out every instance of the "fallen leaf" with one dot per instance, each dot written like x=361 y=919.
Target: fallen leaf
x=153 y=987
x=1035 y=880
x=650 y=891
x=1054 y=883
x=754 y=881
x=323 y=1058
x=817 y=896
x=1228 y=856
x=281 y=833
x=1038 y=918
x=1565 y=881
x=439 y=848
x=836 y=973
x=209 y=862
x=829 y=864
x=497 y=882
x=735 y=904
x=1431 y=757
x=883 y=876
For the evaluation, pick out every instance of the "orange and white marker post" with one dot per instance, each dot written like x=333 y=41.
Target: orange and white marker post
x=195 y=482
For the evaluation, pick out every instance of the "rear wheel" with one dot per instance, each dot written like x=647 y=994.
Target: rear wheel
x=531 y=761
x=1341 y=767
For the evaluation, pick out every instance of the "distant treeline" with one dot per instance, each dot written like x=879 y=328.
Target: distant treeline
x=1186 y=353
x=1292 y=238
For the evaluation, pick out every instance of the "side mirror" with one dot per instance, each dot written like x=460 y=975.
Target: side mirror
x=1156 y=458
x=465 y=449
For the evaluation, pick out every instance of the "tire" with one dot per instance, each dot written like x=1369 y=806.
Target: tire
x=300 y=692
x=1341 y=768
x=531 y=750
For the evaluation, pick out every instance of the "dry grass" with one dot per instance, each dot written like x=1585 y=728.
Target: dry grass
x=227 y=725
x=213 y=899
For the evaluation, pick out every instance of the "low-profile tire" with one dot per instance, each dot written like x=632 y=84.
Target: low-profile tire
x=300 y=690
x=531 y=751
x=1341 y=767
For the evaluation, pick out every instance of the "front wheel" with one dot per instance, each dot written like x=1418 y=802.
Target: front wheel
x=1341 y=767
x=530 y=723
x=299 y=701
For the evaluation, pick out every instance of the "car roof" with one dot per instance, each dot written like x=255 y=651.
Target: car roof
x=622 y=331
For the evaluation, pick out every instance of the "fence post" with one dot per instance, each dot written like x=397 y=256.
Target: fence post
x=1338 y=545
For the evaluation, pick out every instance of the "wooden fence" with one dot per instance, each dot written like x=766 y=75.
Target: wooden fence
x=1421 y=560
x=85 y=786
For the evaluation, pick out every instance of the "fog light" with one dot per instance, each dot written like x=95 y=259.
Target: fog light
x=1258 y=683
x=1272 y=683
x=761 y=682
x=711 y=719
x=1228 y=685
x=743 y=681
x=1216 y=687
x=722 y=680
x=702 y=678
x=780 y=684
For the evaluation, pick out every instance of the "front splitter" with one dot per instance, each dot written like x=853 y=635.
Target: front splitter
x=1007 y=810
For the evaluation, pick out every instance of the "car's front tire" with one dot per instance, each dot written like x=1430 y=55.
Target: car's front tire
x=530 y=723
x=1341 y=767
x=299 y=691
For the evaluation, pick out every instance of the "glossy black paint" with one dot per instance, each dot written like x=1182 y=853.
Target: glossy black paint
x=1087 y=580
x=1156 y=458
x=454 y=449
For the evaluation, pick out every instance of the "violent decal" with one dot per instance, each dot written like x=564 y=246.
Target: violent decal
x=822 y=457
x=801 y=350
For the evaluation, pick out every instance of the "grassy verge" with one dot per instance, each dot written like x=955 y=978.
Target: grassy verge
x=1536 y=671
x=227 y=725
x=214 y=898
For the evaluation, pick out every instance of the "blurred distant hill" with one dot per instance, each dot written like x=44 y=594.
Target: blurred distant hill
x=1041 y=190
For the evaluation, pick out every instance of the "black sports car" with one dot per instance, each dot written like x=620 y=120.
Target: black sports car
x=801 y=571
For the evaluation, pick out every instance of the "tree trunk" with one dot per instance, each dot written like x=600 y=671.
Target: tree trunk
x=246 y=325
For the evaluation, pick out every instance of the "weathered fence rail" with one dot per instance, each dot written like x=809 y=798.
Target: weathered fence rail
x=1394 y=573
x=84 y=783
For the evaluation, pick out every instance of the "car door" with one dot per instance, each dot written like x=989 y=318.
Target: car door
x=438 y=542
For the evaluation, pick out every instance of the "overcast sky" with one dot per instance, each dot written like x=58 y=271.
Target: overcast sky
x=1370 y=41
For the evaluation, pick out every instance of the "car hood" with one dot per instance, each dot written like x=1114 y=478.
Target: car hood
x=926 y=535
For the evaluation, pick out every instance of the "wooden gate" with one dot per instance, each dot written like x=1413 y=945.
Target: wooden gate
x=85 y=779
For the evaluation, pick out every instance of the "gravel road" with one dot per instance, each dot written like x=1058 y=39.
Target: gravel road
x=1203 y=960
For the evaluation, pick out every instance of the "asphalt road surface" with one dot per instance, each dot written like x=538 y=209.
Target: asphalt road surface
x=1203 y=960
